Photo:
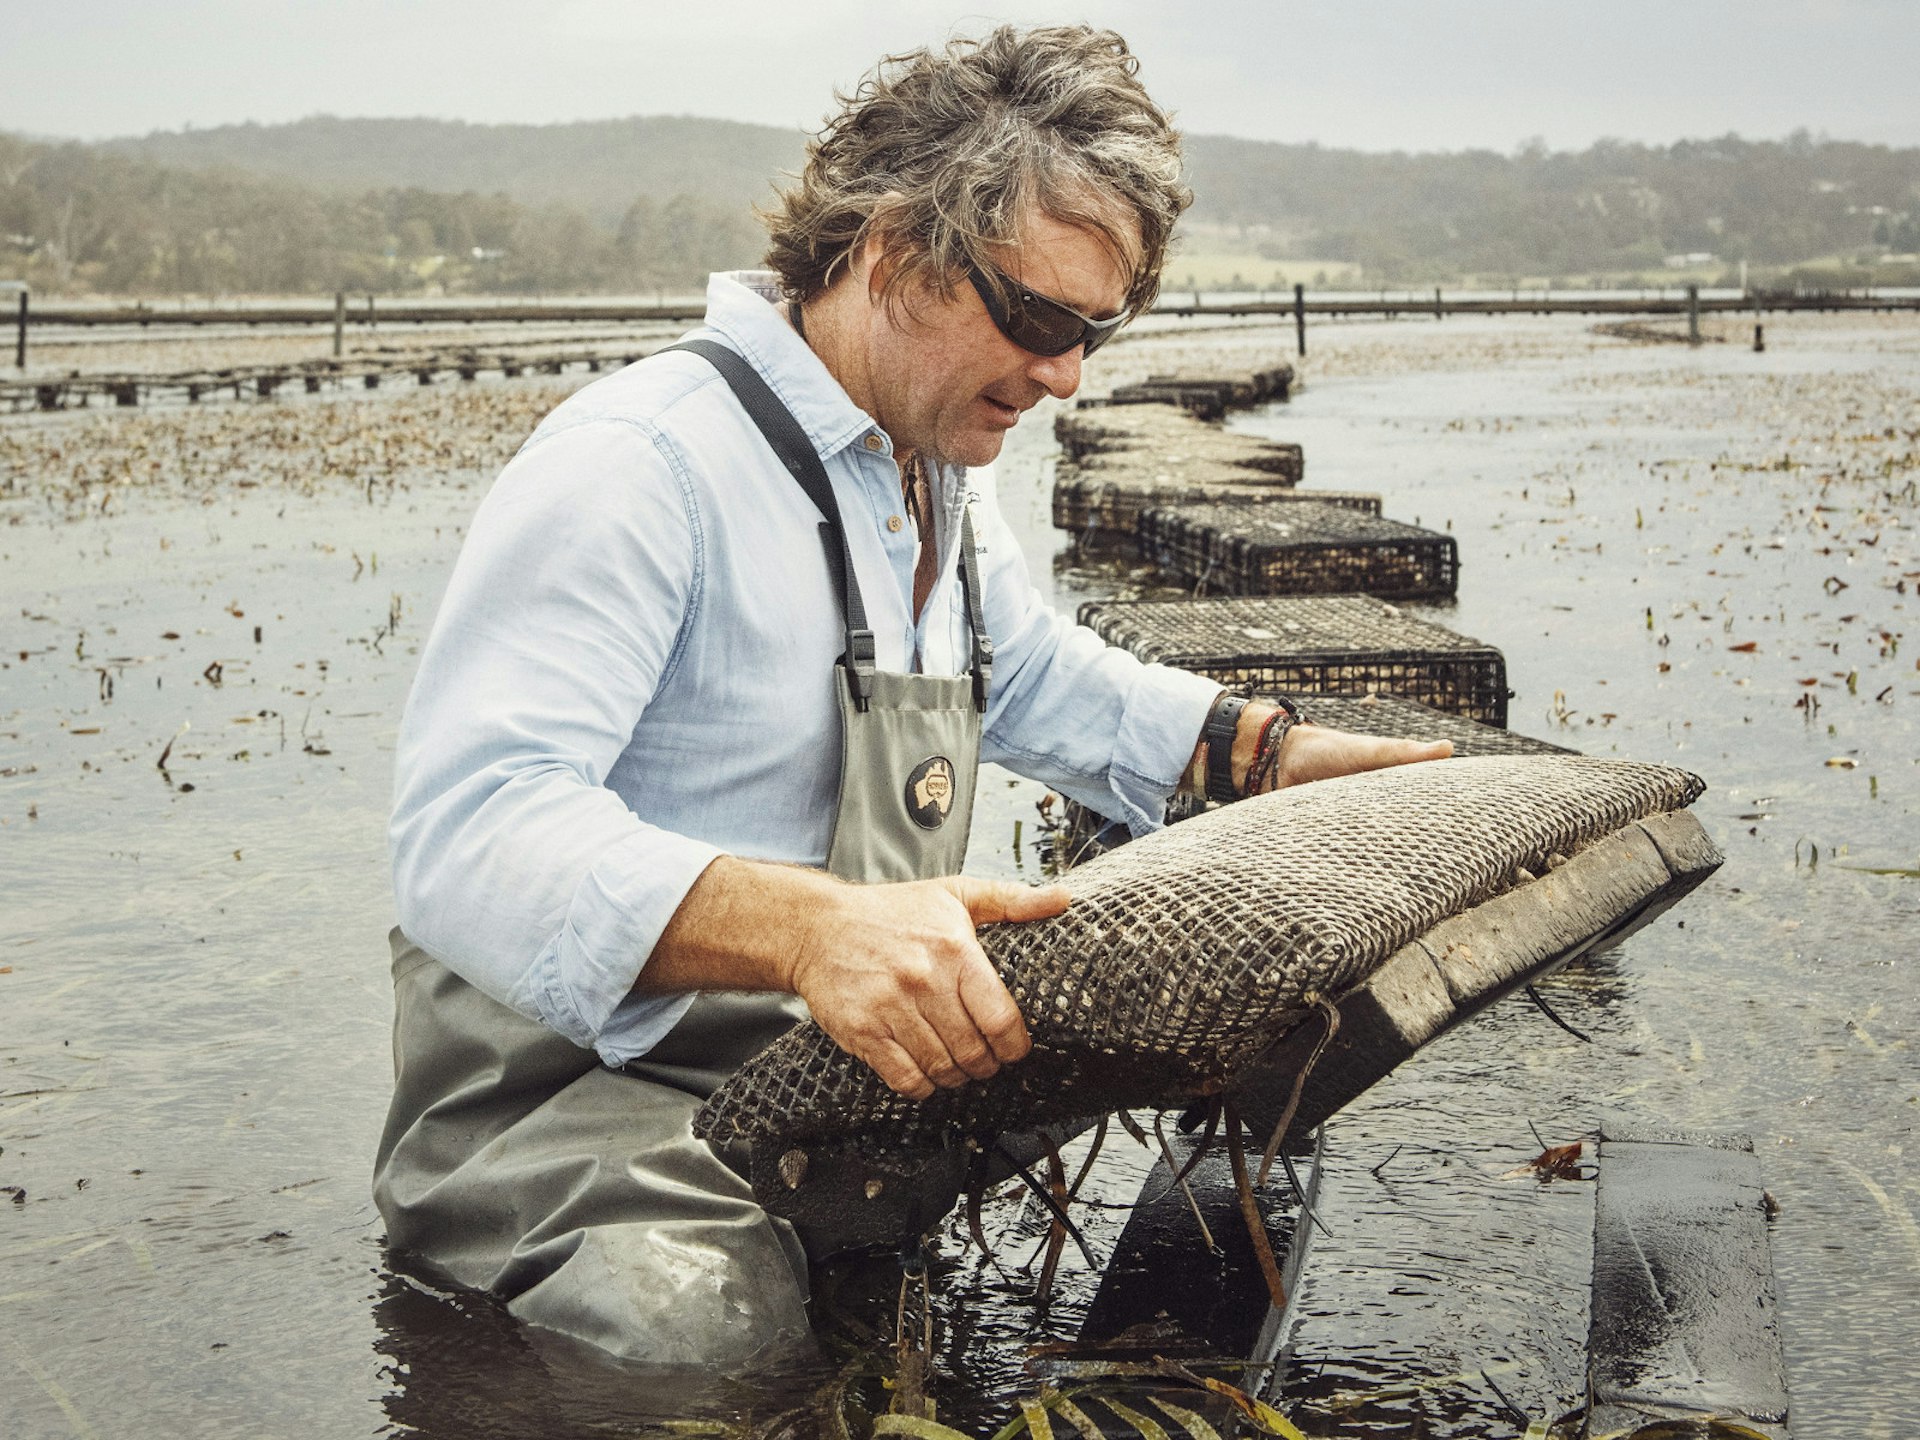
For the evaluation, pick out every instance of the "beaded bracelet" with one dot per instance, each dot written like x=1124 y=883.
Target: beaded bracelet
x=1265 y=767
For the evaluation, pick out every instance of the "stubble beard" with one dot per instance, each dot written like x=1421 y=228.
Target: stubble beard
x=991 y=443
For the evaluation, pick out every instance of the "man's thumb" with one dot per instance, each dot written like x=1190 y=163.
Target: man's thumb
x=991 y=901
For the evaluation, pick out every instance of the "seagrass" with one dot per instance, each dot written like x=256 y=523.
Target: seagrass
x=1185 y=955
x=1248 y=548
x=1093 y=436
x=1098 y=505
x=1325 y=644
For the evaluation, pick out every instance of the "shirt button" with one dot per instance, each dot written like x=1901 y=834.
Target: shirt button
x=876 y=444
x=894 y=522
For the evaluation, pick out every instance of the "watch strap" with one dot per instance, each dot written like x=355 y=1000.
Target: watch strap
x=1223 y=724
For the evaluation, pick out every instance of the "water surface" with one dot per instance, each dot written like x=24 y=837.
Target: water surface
x=194 y=1005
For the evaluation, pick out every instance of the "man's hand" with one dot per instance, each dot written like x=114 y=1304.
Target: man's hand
x=896 y=975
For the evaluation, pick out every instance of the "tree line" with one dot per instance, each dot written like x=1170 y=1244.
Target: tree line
x=1614 y=206
x=77 y=218
x=655 y=203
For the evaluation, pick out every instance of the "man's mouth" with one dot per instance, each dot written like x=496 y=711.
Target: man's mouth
x=1002 y=410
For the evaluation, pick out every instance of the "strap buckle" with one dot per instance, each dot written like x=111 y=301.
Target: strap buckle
x=861 y=664
x=982 y=669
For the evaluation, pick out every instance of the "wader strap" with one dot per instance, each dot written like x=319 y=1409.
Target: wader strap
x=982 y=658
x=788 y=441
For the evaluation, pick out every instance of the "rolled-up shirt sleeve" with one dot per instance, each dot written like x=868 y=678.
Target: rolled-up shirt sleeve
x=1069 y=710
x=513 y=864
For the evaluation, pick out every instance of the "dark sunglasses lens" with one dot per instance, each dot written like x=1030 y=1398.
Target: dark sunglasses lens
x=1037 y=324
x=1098 y=335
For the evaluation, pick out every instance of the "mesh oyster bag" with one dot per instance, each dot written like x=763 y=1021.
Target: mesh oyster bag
x=1184 y=956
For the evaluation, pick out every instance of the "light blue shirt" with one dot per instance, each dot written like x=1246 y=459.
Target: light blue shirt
x=632 y=673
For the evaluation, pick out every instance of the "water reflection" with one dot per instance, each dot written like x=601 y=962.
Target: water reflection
x=459 y=1367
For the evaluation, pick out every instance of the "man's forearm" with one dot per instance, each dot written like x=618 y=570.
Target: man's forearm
x=740 y=927
x=1306 y=753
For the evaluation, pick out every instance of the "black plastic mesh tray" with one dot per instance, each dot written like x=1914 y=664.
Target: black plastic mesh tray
x=1251 y=548
x=1106 y=505
x=1350 y=645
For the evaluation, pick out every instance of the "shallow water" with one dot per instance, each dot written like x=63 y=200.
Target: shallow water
x=193 y=1006
x=1629 y=526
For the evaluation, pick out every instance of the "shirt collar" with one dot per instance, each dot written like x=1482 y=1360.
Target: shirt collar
x=741 y=309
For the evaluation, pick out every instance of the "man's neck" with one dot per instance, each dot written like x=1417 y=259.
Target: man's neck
x=834 y=324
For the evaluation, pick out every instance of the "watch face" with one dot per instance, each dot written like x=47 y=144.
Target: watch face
x=929 y=793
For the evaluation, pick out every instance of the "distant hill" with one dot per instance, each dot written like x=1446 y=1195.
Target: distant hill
x=651 y=201
x=1397 y=216
x=1612 y=206
x=594 y=166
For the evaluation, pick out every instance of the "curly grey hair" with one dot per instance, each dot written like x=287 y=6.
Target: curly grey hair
x=942 y=154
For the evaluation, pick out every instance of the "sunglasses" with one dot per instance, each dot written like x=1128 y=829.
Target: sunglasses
x=1037 y=324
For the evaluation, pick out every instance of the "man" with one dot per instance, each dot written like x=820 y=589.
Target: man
x=744 y=611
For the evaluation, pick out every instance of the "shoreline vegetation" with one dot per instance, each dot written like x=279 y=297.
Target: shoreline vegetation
x=425 y=207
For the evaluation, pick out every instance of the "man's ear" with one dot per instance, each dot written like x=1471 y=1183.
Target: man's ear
x=873 y=266
x=879 y=255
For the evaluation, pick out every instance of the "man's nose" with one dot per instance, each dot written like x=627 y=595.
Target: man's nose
x=1060 y=374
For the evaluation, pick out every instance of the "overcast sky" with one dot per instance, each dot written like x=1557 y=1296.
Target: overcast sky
x=1375 y=74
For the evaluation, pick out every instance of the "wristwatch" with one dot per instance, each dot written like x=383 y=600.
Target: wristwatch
x=1223 y=724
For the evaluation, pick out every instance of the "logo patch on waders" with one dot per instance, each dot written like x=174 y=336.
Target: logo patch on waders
x=929 y=794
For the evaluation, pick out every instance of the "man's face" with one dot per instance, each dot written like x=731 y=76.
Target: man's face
x=946 y=383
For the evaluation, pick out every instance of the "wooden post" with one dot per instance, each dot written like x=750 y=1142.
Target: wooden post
x=1300 y=317
x=1438 y=313
x=1759 y=338
x=20 y=339
x=339 y=321
x=1693 y=314
x=371 y=327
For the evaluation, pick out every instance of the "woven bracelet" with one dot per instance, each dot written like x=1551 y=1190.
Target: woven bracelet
x=1266 y=751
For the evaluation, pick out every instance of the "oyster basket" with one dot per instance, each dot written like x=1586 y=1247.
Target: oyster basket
x=1209 y=396
x=1157 y=437
x=1101 y=505
x=1173 y=971
x=1208 y=399
x=1324 y=645
x=1250 y=388
x=1085 y=832
x=1250 y=548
